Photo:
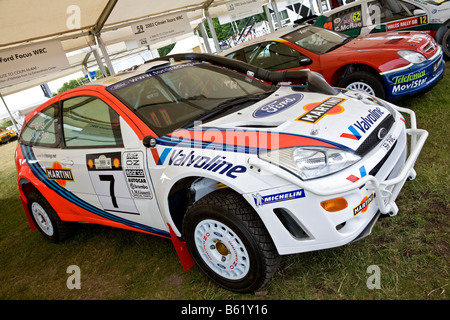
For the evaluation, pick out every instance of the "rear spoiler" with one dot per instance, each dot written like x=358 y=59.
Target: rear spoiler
x=314 y=81
x=309 y=20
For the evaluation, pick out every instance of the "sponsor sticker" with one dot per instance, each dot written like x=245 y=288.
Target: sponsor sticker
x=59 y=174
x=278 y=197
x=277 y=105
x=363 y=124
x=182 y=158
x=364 y=205
x=133 y=163
x=316 y=111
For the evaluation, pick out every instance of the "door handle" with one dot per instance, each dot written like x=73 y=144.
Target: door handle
x=67 y=162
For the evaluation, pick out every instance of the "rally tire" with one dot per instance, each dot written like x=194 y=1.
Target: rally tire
x=46 y=220
x=364 y=81
x=229 y=242
x=446 y=43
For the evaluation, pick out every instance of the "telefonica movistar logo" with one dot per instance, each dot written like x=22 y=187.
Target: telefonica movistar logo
x=409 y=77
x=277 y=105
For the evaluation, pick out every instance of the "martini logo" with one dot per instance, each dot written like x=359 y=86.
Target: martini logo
x=277 y=105
x=59 y=174
x=364 y=205
x=317 y=110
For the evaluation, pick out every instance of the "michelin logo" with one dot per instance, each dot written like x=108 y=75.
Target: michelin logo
x=278 y=197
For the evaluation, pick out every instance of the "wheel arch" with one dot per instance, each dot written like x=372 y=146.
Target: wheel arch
x=348 y=69
x=187 y=191
x=441 y=31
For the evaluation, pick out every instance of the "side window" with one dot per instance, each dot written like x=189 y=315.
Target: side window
x=90 y=122
x=276 y=56
x=42 y=130
x=383 y=11
x=238 y=55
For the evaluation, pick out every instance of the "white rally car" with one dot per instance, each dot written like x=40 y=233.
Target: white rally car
x=229 y=161
x=369 y=16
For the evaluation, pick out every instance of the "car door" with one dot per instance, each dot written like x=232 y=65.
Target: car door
x=391 y=15
x=108 y=162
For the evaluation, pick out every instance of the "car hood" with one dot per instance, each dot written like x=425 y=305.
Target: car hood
x=393 y=41
x=290 y=118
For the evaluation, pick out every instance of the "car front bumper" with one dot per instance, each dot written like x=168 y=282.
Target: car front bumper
x=415 y=77
x=295 y=218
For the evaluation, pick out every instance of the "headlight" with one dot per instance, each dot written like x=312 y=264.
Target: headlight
x=310 y=162
x=411 y=56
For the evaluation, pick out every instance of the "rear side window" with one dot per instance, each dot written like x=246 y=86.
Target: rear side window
x=42 y=129
x=90 y=122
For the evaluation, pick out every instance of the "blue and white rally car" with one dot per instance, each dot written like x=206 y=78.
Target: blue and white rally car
x=228 y=161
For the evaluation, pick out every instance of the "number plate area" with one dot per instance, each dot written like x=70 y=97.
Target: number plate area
x=387 y=144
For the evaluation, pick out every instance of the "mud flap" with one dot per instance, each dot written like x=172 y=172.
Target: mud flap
x=182 y=250
x=368 y=229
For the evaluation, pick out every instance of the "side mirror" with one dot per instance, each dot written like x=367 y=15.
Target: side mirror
x=149 y=142
x=305 y=61
x=418 y=12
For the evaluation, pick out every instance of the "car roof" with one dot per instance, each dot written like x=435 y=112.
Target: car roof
x=125 y=74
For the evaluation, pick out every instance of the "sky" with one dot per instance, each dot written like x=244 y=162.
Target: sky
x=32 y=96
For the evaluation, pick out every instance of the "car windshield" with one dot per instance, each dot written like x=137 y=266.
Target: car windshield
x=171 y=97
x=317 y=40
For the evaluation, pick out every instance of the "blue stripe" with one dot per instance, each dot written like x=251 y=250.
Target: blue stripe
x=40 y=174
x=182 y=142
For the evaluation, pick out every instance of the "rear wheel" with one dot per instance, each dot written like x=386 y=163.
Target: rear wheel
x=364 y=81
x=229 y=242
x=446 y=43
x=46 y=219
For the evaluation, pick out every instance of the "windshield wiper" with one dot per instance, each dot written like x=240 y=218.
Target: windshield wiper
x=227 y=105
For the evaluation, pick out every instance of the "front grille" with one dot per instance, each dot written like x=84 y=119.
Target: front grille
x=431 y=46
x=372 y=140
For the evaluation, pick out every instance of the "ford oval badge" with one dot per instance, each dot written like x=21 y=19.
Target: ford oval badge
x=382 y=133
x=277 y=105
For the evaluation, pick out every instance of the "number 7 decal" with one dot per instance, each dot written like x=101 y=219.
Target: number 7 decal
x=110 y=178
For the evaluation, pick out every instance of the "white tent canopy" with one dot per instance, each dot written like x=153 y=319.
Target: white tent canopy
x=91 y=24
x=35 y=20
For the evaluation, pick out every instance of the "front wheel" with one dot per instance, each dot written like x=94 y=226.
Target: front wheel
x=364 y=81
x=229 y=242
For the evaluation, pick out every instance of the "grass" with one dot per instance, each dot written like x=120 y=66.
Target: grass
x=411 y=250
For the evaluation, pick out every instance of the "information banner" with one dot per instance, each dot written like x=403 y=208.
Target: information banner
x=244 y=8
x=31 y=61
x=154 y=30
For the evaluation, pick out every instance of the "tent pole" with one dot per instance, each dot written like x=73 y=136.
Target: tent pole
x=10 y=116
x=213 y=31
x=101 y=45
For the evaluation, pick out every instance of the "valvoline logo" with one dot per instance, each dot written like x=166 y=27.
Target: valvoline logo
x=277 y=105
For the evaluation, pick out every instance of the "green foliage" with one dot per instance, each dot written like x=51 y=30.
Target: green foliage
x=164 y=51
